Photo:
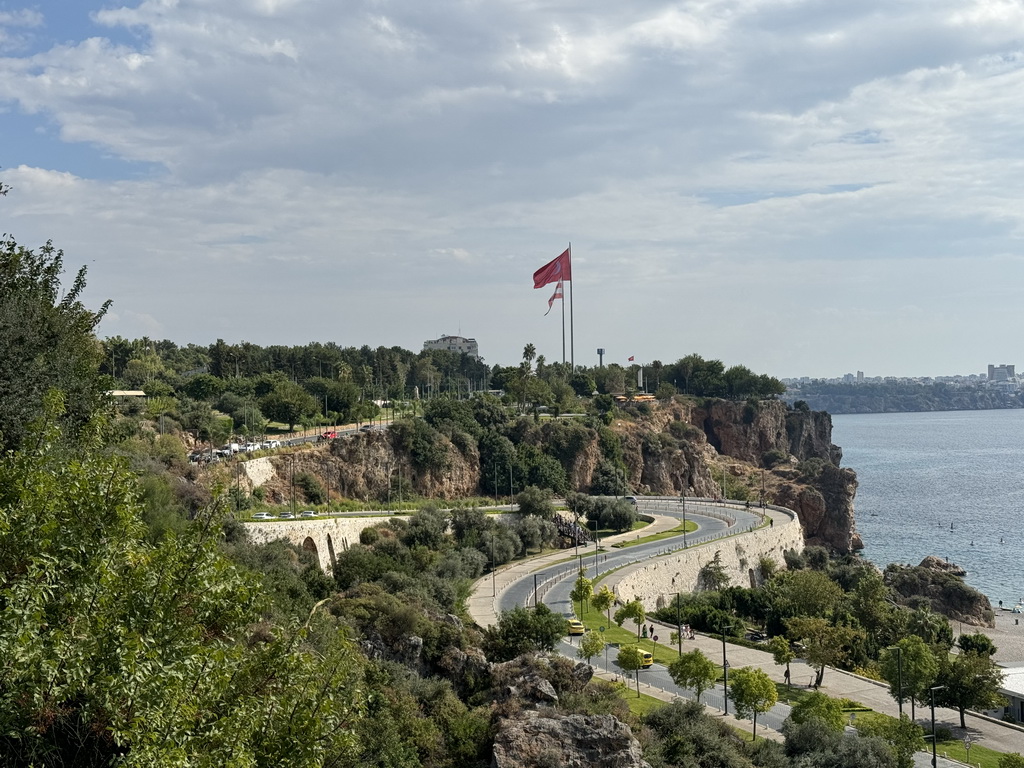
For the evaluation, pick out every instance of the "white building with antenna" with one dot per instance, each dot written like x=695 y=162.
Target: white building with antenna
x=458 y=344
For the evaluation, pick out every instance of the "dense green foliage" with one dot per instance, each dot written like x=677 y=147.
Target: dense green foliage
x=46 y=342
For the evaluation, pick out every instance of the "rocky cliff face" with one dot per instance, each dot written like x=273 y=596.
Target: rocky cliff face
x=747 y=432
x=825 y=508
x=674 y=448
x=548 y=738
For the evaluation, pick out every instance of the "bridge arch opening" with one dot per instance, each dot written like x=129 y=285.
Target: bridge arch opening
x=310 y=546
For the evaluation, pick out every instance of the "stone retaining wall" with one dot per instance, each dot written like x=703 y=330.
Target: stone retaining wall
x=325 y=537
x=656 y=581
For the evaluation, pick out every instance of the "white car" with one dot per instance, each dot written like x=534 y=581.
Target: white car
x=250 y=447
x=263 y=516
x=271 y=444
x=307 y=513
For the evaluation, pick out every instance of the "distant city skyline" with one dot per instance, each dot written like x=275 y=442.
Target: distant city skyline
x=783 y=184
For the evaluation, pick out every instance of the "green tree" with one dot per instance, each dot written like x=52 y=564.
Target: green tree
x=712 y=576
x=522 y=630
x=134 y=653
x=978 y=643
x=1011 y=760
x=971 y=681
x=826 y=645
x=289 y=403
x=582 y=590
x=632 y=610
x=46 y=342
x=631 y=659
x=693 y=671
x=535 y=501
x=591 y=644
x=782 y=653
x=903 y=736
x=803 y=593
x=603 y=600
x=753 y=693
x=817 y=706
x=919 y=669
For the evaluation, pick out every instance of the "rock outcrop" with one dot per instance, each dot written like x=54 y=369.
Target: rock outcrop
x=940 y=586
x=825 y=507
x=547 y=738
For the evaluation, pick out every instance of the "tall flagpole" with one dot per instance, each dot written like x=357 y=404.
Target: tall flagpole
x=563 y=322
x=572 y=336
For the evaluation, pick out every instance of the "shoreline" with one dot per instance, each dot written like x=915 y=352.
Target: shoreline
x=1008 y=635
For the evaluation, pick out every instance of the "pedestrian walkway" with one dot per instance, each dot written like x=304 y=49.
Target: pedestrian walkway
x=1002 y=737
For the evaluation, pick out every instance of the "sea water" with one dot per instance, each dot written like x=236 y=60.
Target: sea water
x=947 y=484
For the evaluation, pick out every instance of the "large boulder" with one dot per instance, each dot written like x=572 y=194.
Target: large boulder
x=541 y=739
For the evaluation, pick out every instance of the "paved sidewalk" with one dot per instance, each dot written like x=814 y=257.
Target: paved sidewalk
x=1002 y=737
x=486 y=592
x=994 y=735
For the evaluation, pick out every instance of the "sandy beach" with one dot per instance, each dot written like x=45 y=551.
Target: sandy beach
x=1008 y=635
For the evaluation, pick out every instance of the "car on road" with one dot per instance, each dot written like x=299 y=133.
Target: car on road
x=330 y=435
x=576 y=627
x=263 y=516
x=366 y=428
x=307 y=513
x=287 y=516
x=270 y=444
x=648 y=660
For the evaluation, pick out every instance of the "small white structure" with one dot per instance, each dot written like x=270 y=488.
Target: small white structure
x=1013 y=689
x=454 y=344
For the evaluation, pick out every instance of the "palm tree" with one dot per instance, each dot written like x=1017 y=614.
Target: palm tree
x=529 y=353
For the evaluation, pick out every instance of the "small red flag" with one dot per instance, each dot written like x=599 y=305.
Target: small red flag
x=558 y=294
x=555 y=270
x=631 y=358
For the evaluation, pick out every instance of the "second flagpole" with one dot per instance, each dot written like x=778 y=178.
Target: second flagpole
x=572 y=337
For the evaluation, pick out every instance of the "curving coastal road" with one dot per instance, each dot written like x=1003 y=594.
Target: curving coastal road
x=515 y=586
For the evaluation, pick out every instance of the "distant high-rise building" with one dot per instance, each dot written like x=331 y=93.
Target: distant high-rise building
x=860 y=377
x=1000 y=372
x=456 y=344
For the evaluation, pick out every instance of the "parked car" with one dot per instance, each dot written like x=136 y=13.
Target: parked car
x=263 y=516
x=250 y=447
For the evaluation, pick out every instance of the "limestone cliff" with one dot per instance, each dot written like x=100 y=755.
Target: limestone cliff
x=825 y=506
x=681 y=446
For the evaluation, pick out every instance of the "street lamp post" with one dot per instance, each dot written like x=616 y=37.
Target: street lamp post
x=682 y=499
x=899 y=676
x=725 y=671
x=725 y=686
x=679 y=626
x=932 y=691
x=292 y=457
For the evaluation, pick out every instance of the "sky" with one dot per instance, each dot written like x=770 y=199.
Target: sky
x=805 y=187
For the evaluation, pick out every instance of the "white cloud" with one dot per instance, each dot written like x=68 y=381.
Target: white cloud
x=752 y=161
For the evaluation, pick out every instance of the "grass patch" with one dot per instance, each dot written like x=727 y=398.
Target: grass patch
x=983 y=756
x=662 y=651
x=679 y=530
x=642 y=705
